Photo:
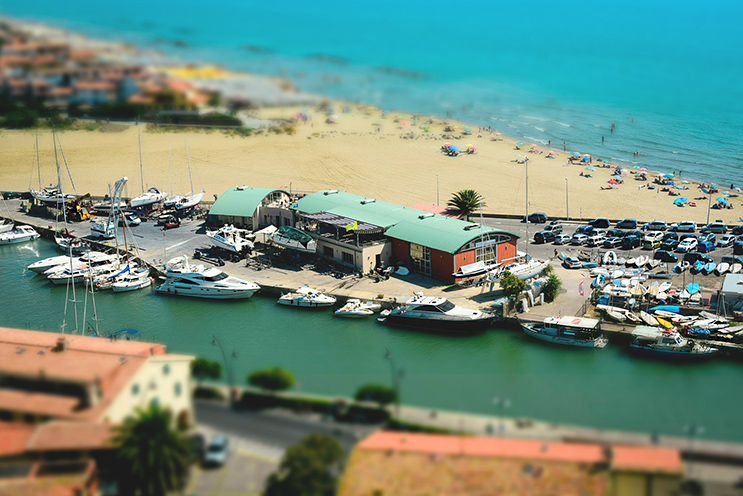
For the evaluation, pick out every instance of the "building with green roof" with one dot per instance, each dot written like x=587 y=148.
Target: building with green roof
x=365 y=233
x=251 y=208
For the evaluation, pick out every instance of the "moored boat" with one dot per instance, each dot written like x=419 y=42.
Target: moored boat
x=308 y=297
x=668 y=343
x=571 y=331
x=355 y=309
x=184 y=279
x=132 y=280
x=436 y=313
x=20 y=234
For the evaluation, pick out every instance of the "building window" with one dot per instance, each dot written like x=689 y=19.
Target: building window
x=287 y=221
x=328 y=251
x=348 y=258
x=135 y=389
x=166 y=369
x=178 y=388
x=421 y=258
x=155 y=401
x=29 y=418
x=5 y=415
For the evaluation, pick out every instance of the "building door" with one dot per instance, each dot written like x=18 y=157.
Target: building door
x=420 y=257
x=378 y=260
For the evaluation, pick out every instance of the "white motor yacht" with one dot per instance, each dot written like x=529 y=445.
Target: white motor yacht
x=668 y=343
x=91 y=258
x=5 y=225
x=436 y=313
x=199 y=281
x=308 y=297
x=573 y=331
x=19 y=235
x=132 y=280
x=231 y=238
x=290 y=237
x=356 y=309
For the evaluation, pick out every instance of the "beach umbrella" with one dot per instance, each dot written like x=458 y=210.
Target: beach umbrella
x=643 y=168
x=533 y=145
x=679 y=186
x=574 y=153
x=519 y=143
x=590 y=169
x=722 y=201
x=617 y=176
x=684 y=182
x=668 y=175
x=586 y=159
x=637 y=167
x=468 y=145
x=606 y=161
x=612 y=181
x=552 y=152
x=455 y=149
x=680 y=201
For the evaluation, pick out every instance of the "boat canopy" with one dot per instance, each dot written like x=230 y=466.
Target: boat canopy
x=576 y=322
x=294 y=234
x=340 y=221
x=647 y=332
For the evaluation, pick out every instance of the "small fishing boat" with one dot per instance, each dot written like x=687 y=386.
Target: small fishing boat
x=722 y=268
x=531 y=268
x=5 y=225
x=21 y=234
x=571 y=331
x=631 y=262
x=76 y=245
x=598 y=281
x=232 y=239
x=641 y=261
x=665 y=323
x=735 y=268
x=697 y=267
x=648 y=319
x=653 y=263
x=308 y=297
x=610 y=258
x=692 y=288
x=668 y=343
x=709 y=268
x=356 y=309
x=290 y=237
x=664 y=287
x=681 y=267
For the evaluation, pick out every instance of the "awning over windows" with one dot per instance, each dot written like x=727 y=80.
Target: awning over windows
x=341 y=222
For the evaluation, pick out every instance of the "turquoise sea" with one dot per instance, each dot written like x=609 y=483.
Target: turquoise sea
x=606 y=388
x=666 y=73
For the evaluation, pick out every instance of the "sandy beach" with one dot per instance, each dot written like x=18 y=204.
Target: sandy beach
x=364 y=152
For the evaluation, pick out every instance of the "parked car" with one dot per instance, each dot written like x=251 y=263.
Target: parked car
x=131 y=220
x=578 y=239
x=553 y=227
x=738 y=248
x=217 y=451
x=726 y=240
x=688 y=236
x=630 y=242
x=596 y=239
x=717 y=226
x=627 y=224
x=584 y=229
x=10 y=195
x=653 y=236
x=670 y=235
x=544 y=237
x=639 y=234
x=706 y=247
x=600 y=222
x=687 y=245
x=693 y=256
x=615 y=233
x=709 y=238
x=612 y=242
x=669 y=244
x=198 y=447
x=650 y=244
x=737 y=230
x=665 y=256
x=656 y=225
x=536 y=218
x=684 y=226
x=572 y=263
x=562 y=239
x=168 y=221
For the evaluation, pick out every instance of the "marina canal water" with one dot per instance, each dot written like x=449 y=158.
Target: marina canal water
x=600 y=388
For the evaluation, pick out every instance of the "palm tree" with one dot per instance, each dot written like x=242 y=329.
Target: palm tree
x=153 y=457
x=466 y=201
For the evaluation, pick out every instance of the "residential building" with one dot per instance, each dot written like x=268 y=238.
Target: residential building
x=401 y=464
x=251 y=208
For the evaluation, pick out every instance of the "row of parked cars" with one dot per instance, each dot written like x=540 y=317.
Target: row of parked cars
x=651 y=237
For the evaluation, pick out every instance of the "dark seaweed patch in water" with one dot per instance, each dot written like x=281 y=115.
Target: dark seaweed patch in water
x=393 y=71
x=184 y=31
x=332 y=59
x=256 y=49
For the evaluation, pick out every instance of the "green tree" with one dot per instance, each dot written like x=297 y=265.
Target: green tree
x=274 y=379
x=307 y=468
x=203 y=368
x=552 y=288
x=511 y=284
x=466 y=201
x=153 y=457
x=377 y=393
x=20 y=119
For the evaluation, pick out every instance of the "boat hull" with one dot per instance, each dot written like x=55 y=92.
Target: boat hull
x=305 y=304
x=469 y=326
x=210 y=293
x=531 y=330
x=121 y=288
x=670 y=355
x=18 y=239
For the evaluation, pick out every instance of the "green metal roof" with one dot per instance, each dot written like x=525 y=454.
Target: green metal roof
x=240 y=201
x=407 y=224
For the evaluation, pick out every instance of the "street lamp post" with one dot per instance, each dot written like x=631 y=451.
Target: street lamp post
x=227 y=365
x=437 y=190
x=709 y=207
x=501 y=404
x=567 y=203
x=693 y=431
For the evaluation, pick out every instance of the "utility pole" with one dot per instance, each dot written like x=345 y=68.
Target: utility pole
x=396 y=376
x=227 y=366
x=437 y=190
x=567 y=202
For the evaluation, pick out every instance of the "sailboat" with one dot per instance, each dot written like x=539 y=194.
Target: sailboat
x=107 y=229
x=131 y=278
x=188 y=200
x=152 y=195
x=529 y=267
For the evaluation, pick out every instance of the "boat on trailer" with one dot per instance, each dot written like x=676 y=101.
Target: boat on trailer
x=290 y=237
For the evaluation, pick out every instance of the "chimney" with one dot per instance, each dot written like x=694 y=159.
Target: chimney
x=61 y=345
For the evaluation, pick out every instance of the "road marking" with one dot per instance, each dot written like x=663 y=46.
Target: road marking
x=178 y=244
x=194 y=479
x=258 y=456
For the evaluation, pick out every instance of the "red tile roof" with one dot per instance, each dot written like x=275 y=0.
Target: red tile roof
x=14 y=438
x=95 y=86
x=646 y=459
x=138 y=99
x=484 y=447
x=67 y=435
x=178 y=85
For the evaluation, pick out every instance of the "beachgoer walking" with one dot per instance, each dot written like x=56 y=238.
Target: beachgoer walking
x=613 y=127
x=564 y=146
x=602 y=140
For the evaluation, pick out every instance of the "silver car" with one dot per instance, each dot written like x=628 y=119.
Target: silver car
x=217 y=451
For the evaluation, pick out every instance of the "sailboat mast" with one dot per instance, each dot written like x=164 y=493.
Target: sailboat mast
x=188 y=158
x=38 y=162
x=526 y=241
x=71 y=280
x=141 y=171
